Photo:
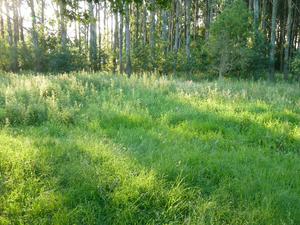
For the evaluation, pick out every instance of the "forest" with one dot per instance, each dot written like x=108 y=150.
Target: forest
x=155 y=112
x=248 y=39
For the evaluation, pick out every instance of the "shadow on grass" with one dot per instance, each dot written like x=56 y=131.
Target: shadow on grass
x=231 y=162
x=80 y=180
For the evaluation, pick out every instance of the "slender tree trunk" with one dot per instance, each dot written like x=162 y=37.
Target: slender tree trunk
x=104 y=24
x=188 y=29
x=93 y=36
x=9 y=28
x=137 y=24
x=171 y=27
x=76 y=33
x=288 y=40
x=152 y=27
x=35 y=37
x=208 y=18
x=164 y=30
x=256 y=15
x=196 y=18
x=15 y=65
x=177 y=33
x=22 y=37
x=177 y=9
x=273 y=39
x=42 y=19
x=127 y=37
x=63 y=28
x=112 y=31
x=121 y=44
x=116 y=42
x=264 y=16
x=99 y=27
x=250 y=4
x=1 y=20
x=144 y=24
x=281 y=42
x=16 y=4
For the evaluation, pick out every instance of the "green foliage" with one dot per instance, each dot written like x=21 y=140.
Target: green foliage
x=296 y=66
x=66 y=61
x=230 y=35
x=4 y=56
x=104 y=149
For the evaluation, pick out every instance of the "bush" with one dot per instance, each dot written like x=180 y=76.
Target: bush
x=36 y=113
x=15 y=113
x=66 y=61
x=228 y=46
x=296 y=66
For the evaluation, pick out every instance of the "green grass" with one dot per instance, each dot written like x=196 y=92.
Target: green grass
x=103 y=149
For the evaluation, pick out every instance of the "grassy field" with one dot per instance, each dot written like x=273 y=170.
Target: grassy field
x=102 y=149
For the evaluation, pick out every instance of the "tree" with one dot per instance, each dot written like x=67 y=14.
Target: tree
x=116 y=41
x=287 y=46
x=188 y=28
x=63 y=28
x=1 y=20
x=128 y=41
x=93 y=37
x=273 y=39
x=121 y=43
x=35 y=37
x=228 y=41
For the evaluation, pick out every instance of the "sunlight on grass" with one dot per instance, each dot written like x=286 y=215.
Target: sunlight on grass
x=100 y=149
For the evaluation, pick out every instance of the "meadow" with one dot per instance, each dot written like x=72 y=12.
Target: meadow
x=96 y=148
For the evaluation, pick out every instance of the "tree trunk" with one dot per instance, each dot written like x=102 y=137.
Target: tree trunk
x=188 y=29
x=250 y=4
x=1 y=20
x=22 y=37
x=42 y=19
x=288 y=40
x=209 y=10
x=121 y=44
x=264 y=16
x=137 y=24
x=9 y=28
x=196 y=18
x=144 y=24
x=256 y=16
x=164 y=31
x=116 y=42
x=127 y=37
x=152 y=27
x=16 y=36
x=104 y=24
x=99 y=25
x=93 y=36
x=63 y=28
x=35 y=37
x=273 y=39
x=177 y=9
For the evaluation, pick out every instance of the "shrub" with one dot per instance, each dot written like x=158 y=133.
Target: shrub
x=36 y=113
x=15 y=113
x=228 y=46
x=296 y=66
x=66 y=61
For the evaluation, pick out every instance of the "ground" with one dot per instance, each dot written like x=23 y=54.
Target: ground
x=103 y=149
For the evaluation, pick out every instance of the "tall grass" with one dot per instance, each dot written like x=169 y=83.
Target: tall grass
x=103 y=149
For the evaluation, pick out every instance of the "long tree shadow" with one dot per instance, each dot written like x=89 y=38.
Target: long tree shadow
x=111 y=167
x=78 y=180
x=211 y=152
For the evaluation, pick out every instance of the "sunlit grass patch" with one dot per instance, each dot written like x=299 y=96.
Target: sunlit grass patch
x=102 y=149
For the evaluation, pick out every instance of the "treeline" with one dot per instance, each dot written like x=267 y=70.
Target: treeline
x=244 y=38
